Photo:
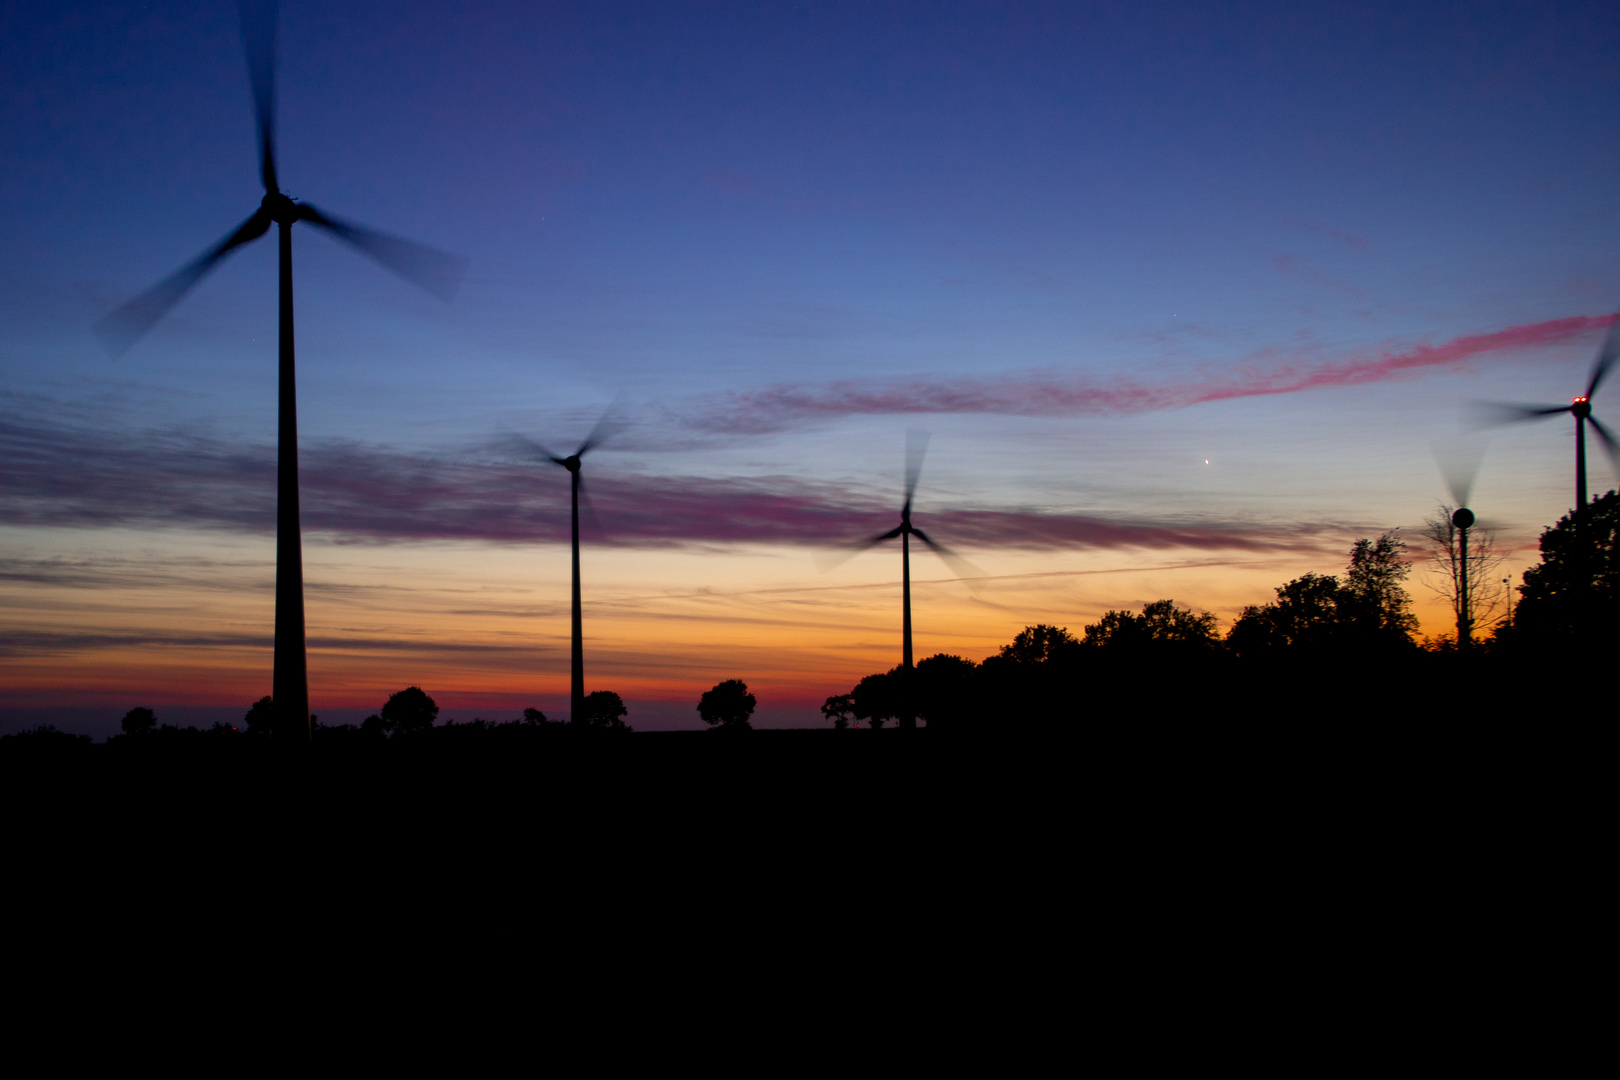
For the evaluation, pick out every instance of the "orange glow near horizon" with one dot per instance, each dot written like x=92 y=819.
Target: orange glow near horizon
x=186 y=618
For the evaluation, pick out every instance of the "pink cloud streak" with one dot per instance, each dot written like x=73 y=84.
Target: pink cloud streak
x=1045 y=395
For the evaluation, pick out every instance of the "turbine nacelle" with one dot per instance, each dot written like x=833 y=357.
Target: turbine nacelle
x=1463 y=518
x=279 y=208
x=1581 y=407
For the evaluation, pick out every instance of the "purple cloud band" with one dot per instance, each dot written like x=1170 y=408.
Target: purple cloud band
x=53 y=474
x=793 y=404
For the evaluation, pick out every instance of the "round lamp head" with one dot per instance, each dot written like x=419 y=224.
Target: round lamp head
x=1463 y=518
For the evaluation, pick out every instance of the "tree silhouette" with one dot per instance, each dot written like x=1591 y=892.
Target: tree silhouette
x=408 y=712
x=946 y=690
x=139 y=721
x=1030 y=677
x=1039 y=644
x=1305 y=616
x=727 y=706
x=261 y=717
x=603 y=712
x=1572 y=598
x=1317 y=613
x=840 y=709
x=536 y=718
x=877 y=697
x=1161 y=623
x=1374 y=598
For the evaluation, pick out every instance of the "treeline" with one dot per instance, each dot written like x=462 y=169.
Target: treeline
x=1327 y=646
x=409 y=714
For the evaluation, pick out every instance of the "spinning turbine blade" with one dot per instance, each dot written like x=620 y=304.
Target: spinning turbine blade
x=916 y=449
x=1608 y=441
x=259 y=18
x=1491 y=413
x=435 y=271
x=532 y=448
x=829 y=560
x=1605 y=358
x=1459 y=464
x=125 y=326
x=588 y=511
x=604 y=429
x=959 y=566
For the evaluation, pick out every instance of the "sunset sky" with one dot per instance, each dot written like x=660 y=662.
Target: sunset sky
x=1186 y=295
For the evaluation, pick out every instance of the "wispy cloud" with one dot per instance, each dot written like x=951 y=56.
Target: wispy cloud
x=34 y=644
x=29 y=643
x=1272 y=371
x=78 y=476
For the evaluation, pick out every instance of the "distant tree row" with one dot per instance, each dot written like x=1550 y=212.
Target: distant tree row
x=1324 y=642
x=411 y=712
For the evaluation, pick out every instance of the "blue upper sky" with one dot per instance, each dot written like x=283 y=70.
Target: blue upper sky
x=681 y=202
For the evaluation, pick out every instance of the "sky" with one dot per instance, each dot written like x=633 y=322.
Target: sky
x=1187 y=296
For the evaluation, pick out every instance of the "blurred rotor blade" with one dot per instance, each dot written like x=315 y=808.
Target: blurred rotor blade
x=605 y=427
x=959 y=566
x=1608 y=441
x=125 y=326
x=916 y=449
x=531 y=448
x=587 y=512
x=1459 y=463
x=1605 y=358
x=1493 y=413
x=829 y=560
x=259 y=18
x=435 y=271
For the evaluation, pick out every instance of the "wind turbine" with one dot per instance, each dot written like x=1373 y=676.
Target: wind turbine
x=573 y=462
x=1580 y=408
x=916 y=448
x=437 y=272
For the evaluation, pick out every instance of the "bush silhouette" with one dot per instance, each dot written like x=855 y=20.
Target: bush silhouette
x=603 y=712
x=728 y=705
x=840 y=709
x=408 y=712
x=139 y=721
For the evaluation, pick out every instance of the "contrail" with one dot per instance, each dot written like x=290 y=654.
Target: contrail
x=1046 y=394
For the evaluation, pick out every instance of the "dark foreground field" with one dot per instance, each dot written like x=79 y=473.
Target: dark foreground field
x=1339 y=879
x=1206 y=805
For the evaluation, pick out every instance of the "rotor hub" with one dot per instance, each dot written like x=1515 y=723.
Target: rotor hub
x=282 y=210
x=1582 y=408
x=1463 y=518
x=571 y=463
